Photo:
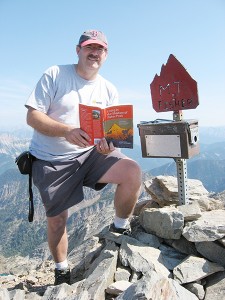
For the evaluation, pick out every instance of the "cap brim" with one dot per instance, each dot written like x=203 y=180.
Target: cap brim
x=90 y=41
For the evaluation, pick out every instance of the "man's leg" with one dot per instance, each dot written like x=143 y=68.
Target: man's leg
x=126 y=173
x=58 y=245
x=57 y=236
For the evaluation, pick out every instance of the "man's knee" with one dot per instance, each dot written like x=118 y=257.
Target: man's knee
x=58 y=223
x=133 y=171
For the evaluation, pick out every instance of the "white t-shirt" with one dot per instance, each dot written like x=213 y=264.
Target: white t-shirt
x=57 y=94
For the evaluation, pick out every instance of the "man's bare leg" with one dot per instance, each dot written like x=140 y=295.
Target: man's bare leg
x=57 y=236
x=126 y=173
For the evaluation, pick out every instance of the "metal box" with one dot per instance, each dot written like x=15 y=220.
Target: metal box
x=176 y=139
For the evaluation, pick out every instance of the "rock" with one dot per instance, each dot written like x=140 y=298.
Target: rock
x=141 y=258
x=31 y=279
x=153 y=286
x=209 y=227
x=60 y=292
x=82 y=256
x=122 y=274
x=101 y=273
x=118 y=287
x=194 y=268
x=140 y=205
x=222 y=241
x=196 y=289
x=166 y=222
x=190 y=212
x=164 y=189
x=33 y=296
x=7 y=278
x=147 y=238
x=212 y=251
x=4 y=294
x=215 y=287
x=171 y=257
x=183 y=246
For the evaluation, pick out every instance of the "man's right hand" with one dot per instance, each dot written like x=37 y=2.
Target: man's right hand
x=47 y=126
x=78 y=137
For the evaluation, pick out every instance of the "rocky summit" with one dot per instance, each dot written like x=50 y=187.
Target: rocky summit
x=175 y=252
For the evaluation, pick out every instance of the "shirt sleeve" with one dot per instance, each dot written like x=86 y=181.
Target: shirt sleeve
x=42 y=95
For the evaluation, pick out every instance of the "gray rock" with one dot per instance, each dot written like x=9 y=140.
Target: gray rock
x=194 y=268
x=82 y=256
x=118 y=287
x=4 y=294
x=171 y=257
x=164 y=189
x=142 y=258
x=17 y=295
x=209 y=227
x=101 y=273
x=166 y=222
x=147 y=238
x=196 y=289
x=183 y=245
x=190 y=212
x=212 y=251
x=122 y=273
x=153 y=286
x=59 y=292
x=33 y=296
x=215 y=287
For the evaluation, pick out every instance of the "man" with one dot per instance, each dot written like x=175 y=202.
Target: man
x=65 y=160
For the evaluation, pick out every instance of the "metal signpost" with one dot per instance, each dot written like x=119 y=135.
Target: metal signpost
x=173 y=90
x=181 y=164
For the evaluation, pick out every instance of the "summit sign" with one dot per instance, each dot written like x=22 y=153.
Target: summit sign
x=174 y=89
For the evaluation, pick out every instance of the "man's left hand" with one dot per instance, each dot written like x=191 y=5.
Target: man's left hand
x=104 y=148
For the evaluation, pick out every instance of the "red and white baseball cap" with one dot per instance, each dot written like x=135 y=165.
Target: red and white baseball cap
x=93 y=37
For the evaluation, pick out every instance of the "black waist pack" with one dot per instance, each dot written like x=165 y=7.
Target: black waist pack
x=24 y=162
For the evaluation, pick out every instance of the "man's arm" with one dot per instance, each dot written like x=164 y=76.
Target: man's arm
x=47 y=126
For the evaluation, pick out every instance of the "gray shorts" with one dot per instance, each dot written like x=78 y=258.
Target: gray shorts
x=61 y=183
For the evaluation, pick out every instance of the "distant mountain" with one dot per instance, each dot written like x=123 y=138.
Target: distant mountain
x=10 y=147
x=24 y=132
x=17 y=234
x=211 y=135
x=208 y=167
x=210 y=172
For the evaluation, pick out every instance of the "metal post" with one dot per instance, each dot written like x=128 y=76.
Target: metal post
x=182 y=180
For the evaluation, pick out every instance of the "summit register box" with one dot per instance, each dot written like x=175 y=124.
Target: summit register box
x=175 y=139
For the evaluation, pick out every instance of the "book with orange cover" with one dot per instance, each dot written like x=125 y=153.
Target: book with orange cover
x=115 y=123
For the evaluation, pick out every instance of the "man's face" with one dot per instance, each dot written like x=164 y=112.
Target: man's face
x=92 y=56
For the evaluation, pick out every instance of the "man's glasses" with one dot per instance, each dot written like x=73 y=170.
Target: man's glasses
x=89 y=48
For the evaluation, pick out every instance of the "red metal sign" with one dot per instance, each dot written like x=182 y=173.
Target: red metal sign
x=174 y=89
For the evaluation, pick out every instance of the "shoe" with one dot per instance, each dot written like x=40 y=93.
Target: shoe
x=62 y=276
x=124 y=231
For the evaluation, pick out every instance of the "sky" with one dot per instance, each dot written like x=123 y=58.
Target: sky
x=36 y=34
